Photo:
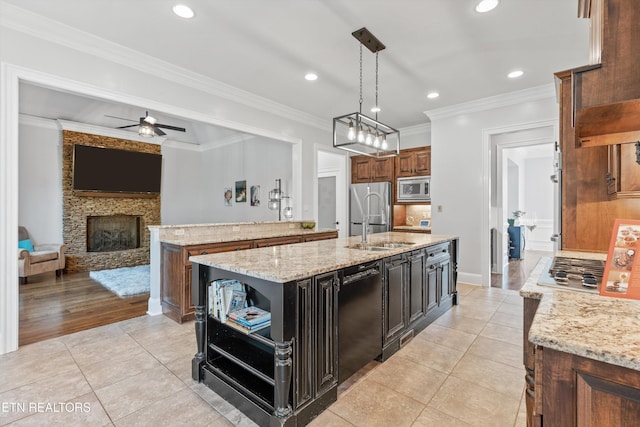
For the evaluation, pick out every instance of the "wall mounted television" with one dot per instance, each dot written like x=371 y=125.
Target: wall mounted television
x=109 y=170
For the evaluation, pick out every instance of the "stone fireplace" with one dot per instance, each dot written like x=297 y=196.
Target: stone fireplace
x=113 y=233
x=104 y=231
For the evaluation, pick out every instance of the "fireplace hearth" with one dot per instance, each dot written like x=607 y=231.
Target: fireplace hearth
x=113 y=233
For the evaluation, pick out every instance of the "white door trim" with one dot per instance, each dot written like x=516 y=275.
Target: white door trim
x=10 y=77
x=485 y=233
x=342 y=196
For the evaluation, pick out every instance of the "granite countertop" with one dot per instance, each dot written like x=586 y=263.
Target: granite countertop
x=413 y=228
x=199 y=234
x=589 y=325
x=287 y=263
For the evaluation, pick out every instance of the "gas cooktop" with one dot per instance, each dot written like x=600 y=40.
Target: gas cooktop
x=573 y=273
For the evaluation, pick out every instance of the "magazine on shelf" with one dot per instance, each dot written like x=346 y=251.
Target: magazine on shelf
x=250 y=316
x=246 y=329
x=221 y=297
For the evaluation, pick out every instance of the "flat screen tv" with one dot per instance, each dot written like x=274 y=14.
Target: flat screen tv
x=109 y=170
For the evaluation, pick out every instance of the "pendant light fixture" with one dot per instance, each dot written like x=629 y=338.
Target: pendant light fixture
x=362 y=134
x=276 y=197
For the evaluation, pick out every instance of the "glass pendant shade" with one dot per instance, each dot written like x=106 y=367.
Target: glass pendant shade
x=273 y=205
x=389 y=137
x=351 y=133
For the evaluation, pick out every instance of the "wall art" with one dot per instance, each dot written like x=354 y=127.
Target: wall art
x=255 y=195
x=241 y=191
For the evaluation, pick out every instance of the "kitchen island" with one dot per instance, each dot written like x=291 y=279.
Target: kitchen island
x=581 y=355
x=172 y=245
x=288 y=373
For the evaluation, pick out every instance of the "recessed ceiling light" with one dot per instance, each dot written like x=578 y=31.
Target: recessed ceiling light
x=311 y=76
x=515 y=74
x=183 y=11
x=433 y=95
x=486 y=5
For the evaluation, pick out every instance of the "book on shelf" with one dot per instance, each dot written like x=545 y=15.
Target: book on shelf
x=223 y=295
x=250 y=316
x=246 y=329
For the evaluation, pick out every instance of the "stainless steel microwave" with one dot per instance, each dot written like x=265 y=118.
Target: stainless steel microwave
x=414 y=189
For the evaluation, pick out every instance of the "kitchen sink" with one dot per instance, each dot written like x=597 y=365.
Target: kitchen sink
x=367 y=247
x=380 y=246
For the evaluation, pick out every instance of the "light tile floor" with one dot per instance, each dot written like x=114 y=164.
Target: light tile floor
x=463 y=370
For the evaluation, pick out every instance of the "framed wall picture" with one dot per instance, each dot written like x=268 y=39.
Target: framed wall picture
x=228 y=195
x=255 y=195
x=241 y=191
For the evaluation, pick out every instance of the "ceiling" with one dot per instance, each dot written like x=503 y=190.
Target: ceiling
x=266 y=47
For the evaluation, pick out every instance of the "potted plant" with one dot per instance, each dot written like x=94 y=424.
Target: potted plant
x=516 y=217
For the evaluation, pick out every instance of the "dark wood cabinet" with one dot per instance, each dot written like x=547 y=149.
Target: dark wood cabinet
x=413 y=162
x=417 y=286
x=370 y=169
x=395 y=295
x=326 y=330
x=175 y=275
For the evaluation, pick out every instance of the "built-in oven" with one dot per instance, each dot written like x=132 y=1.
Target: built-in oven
x=414 y=189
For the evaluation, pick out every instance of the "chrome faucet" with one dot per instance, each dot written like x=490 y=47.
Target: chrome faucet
x=365 y=218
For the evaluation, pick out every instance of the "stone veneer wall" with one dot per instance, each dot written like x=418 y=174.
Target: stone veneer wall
x=76 y=209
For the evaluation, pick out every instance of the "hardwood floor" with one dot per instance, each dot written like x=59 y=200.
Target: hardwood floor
x=519 y=270
x=53 y=306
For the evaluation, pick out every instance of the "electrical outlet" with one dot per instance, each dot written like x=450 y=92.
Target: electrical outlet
x=439 y=208
x=178 y=232
x=236 y=228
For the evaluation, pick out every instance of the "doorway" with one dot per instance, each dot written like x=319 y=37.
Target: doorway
x=523 y=159
x=331 y=191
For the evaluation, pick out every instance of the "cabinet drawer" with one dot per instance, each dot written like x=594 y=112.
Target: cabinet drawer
x=433 y=251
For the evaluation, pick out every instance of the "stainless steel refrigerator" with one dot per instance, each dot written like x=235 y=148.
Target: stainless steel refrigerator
x=379 y=207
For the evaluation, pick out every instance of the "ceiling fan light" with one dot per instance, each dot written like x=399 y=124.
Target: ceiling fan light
x=146 y=130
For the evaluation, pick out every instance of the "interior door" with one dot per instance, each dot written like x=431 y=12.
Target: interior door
x=327 y=202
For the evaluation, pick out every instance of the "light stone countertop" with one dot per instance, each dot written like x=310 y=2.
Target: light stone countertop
x=413 y=228
x=589 y=325
x=287 y=263
x=199 y=234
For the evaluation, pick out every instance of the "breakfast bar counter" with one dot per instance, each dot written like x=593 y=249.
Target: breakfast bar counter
x=581 y=354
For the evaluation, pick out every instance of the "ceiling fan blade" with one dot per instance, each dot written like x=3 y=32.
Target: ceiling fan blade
x=159 y=125
x=121 y=118
x=158 y=131
x=129 y=126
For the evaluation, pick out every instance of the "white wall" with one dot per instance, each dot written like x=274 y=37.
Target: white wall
x=460 y=173
x=181 y=200
x=40 y=181
x=258 y=161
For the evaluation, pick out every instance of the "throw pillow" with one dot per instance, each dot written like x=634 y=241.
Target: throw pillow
x=26 y=244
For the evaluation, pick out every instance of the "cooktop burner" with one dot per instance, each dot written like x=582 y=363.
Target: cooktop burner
x=575 y=273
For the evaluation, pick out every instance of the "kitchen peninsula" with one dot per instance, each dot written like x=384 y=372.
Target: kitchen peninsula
x=172 y=245
x=581 y=355
x=288 y=373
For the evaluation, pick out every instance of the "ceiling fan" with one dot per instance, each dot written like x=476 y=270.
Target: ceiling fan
x=149 y=126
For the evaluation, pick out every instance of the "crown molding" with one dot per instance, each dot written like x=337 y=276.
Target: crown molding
x=493 y=102
x=423 y=128
x=44 y=28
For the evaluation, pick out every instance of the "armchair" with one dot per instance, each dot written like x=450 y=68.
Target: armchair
x=44 y=258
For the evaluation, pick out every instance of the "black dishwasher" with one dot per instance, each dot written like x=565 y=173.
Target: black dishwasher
x=359 y=318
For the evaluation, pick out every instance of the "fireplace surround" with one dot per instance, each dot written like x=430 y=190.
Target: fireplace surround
x=107 y=233
x=107 y=251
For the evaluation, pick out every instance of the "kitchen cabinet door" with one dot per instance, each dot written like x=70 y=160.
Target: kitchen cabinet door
x=417 y=286
x=413 y=162
x=395 y=318
x=326 y=330
x=360 y=169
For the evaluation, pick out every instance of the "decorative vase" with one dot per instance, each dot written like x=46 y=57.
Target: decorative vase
x=511 y=222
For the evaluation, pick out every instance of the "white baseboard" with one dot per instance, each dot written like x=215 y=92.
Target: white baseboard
x=154 y=307
x=470 y=278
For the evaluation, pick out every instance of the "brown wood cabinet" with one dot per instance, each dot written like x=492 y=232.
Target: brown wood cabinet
x=369 y=169
x=175 y=275
x=576 y=391
x=623 y=176
x=413 y=162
